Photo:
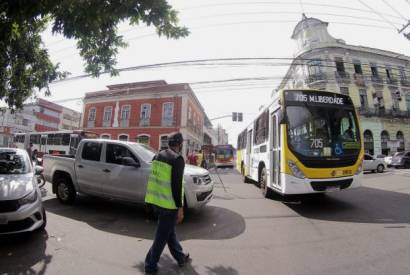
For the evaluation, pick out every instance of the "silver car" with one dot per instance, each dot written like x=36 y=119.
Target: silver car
x=373 y=164
x=21 y=208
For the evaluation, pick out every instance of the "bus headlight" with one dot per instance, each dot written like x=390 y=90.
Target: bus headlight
x=295 y=170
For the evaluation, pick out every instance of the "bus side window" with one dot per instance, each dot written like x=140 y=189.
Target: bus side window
x=65 y=139
x=50 y=139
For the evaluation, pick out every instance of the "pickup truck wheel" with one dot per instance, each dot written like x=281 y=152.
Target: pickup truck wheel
x=65 y=191
x=380 y=168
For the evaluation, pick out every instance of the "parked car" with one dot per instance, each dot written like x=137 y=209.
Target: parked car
x=401 y=160
x=21 y=208
x=116 y=170
x=373 y=164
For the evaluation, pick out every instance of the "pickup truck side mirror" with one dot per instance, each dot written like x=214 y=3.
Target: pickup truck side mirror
x=128 y=161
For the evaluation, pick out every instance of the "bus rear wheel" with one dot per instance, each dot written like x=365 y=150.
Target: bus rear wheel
x=263 y=184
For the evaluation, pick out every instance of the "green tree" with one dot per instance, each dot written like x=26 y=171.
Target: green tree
x=25 y=65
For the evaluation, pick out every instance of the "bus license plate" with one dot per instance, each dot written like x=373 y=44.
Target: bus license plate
x=3 y=221
x=332 y=188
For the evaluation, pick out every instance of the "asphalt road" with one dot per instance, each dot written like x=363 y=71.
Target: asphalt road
x=362 y=231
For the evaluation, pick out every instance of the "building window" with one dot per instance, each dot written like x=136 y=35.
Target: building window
x=389 y=73
x=123 y=137
x=144 y=139
x=374 y=70
x=145 y=114
x=125 y=115
x=106 y=136
x=340 y=67
x=314 y=67
x=408 y=103
x=368 y=142
x=189 y=113
x=402 y=74
x=344 y=90
x=168 y=114
x=91 y=114
x=363 y=98
x=163 y=143
x=357 y=67
x=385 y=137
x=400 y=138
x=107 y=116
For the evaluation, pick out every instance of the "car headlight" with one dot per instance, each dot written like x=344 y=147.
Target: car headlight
x=30 y=198
x=295 y=170
x=197 y=180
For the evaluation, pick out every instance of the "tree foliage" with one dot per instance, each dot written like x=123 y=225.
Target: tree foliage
x=25 y=65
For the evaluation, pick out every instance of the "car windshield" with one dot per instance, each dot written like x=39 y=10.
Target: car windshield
x=322 y=131
x=145 y=152
x=12 y=162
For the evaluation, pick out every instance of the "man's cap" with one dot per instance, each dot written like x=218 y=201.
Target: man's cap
x=175 y=139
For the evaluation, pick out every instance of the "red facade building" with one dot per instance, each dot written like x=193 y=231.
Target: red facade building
x=145 y=112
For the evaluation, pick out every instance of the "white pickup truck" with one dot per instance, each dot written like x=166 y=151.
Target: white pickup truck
x=116 y=170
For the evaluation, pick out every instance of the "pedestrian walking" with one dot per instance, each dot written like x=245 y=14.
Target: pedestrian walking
x=165 y=192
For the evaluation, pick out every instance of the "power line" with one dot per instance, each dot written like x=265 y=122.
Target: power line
x=394 y=9
x=282 y=3
x=378 y=13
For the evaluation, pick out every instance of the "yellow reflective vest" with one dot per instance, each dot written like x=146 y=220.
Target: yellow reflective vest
x=159 y=191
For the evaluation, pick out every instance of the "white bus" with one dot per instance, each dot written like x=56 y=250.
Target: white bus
x=52 y=142
x=305 y=141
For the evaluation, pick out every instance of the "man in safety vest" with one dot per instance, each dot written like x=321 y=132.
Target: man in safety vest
x=165 y=191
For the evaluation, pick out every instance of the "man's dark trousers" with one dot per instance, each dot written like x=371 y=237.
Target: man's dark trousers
x=165 y=234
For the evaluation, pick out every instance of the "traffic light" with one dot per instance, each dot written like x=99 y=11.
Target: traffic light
x=234 y=116
x=240 y=117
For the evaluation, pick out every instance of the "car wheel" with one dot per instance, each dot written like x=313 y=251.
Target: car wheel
x=263 y=184
x=65 y=191
x=380 y=168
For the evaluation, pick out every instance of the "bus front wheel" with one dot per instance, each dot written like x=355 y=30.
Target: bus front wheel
x=263 y=184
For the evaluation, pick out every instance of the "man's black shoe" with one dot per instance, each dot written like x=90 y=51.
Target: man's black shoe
x=151 y=272
x=186 y=260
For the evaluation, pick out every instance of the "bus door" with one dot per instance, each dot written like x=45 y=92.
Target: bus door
x=249 y=143
x=43 y=144
x=74 y=140
x=274 y=152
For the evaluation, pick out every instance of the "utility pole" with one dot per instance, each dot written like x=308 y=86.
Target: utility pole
x=407 y=35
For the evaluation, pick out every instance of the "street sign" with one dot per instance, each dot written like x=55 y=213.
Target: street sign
x=234 y=116
x=240 y=117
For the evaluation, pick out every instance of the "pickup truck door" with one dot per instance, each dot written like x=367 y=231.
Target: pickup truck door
x=88 y=168
x=123 y=178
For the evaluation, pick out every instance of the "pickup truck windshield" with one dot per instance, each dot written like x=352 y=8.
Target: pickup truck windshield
x=144 y=151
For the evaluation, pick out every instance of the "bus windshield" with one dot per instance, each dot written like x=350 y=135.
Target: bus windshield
x=322 y=131
x=224 y=153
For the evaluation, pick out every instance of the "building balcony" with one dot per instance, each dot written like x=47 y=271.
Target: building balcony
x=90 y=123
x=144 y=122
x=377 y=81
x=124 y=123
x=391 y=81
x=359 y=80
x=168 y=122
x=342 y=77
x=106 y=123
x=404 y=82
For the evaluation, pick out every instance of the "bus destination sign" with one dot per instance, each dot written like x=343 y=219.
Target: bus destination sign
x=322 y=98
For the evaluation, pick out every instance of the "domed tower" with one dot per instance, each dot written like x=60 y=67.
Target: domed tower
x=311 y=33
